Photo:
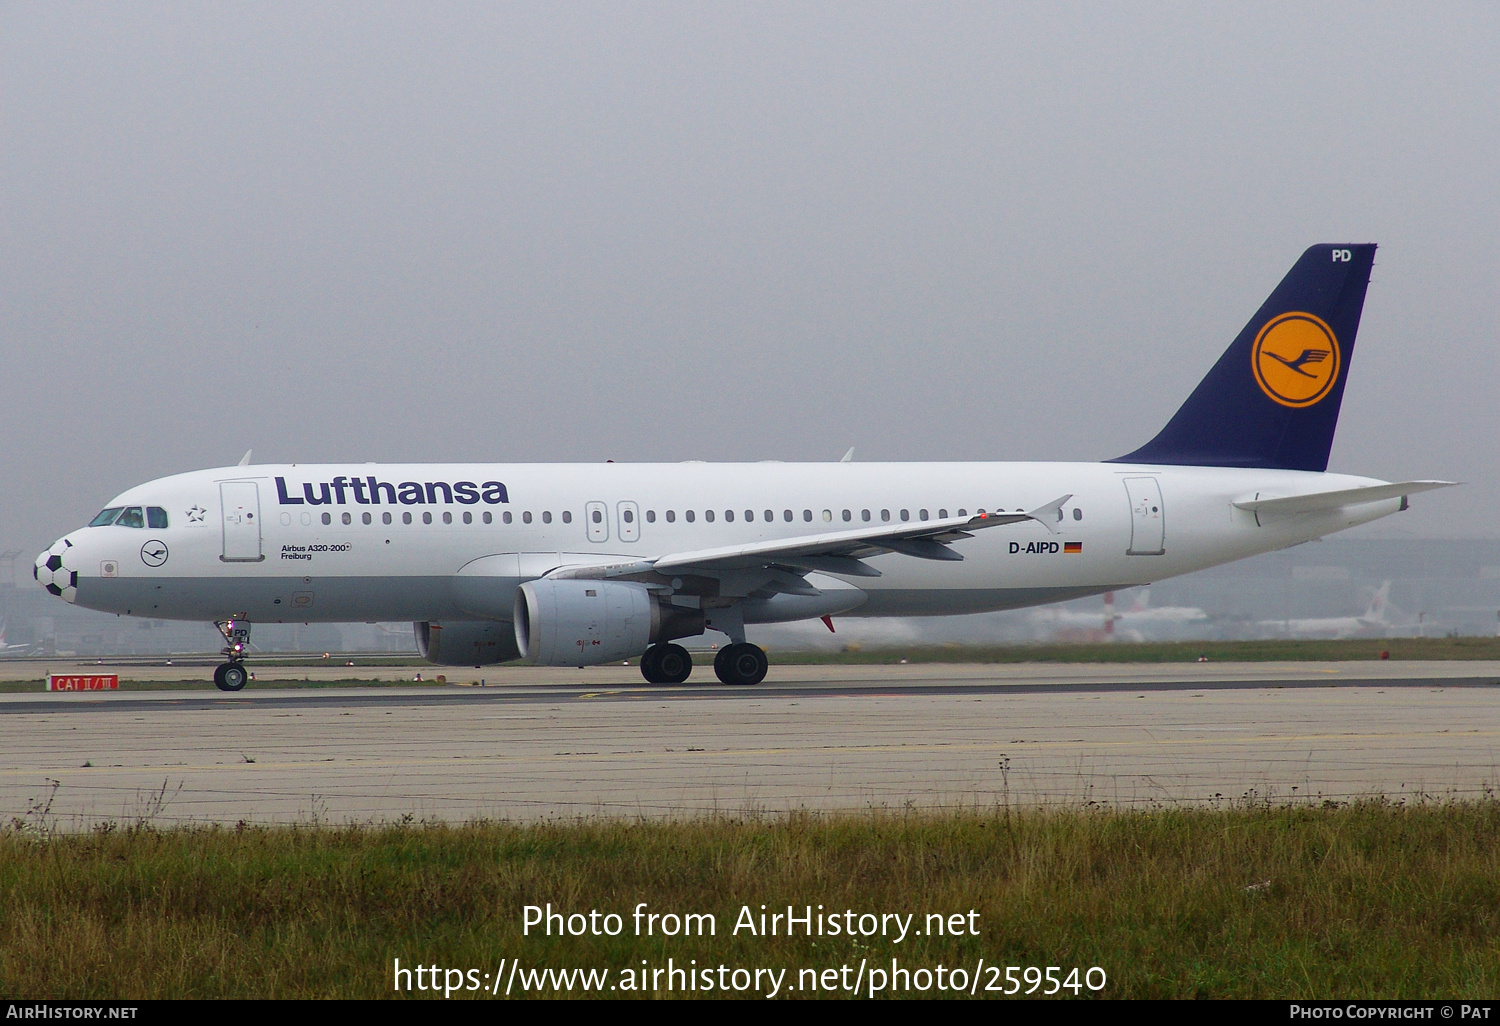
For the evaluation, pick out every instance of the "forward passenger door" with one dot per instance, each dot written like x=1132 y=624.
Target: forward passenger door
x=240 y=502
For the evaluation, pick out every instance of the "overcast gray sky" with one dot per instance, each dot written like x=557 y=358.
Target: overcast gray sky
x=723 y=231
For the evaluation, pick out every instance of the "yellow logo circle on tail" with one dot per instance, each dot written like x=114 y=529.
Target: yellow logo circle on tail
x=1295 y=359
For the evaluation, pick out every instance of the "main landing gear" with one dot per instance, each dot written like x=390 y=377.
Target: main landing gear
x=740 y=663
x=231 y=676
x=666 y=664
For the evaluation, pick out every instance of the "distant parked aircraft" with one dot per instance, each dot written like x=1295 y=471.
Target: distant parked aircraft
x=1373 y=622
x=1132 y=624
x=7 y=649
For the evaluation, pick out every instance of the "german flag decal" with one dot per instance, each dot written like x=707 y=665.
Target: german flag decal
x=1072 y=547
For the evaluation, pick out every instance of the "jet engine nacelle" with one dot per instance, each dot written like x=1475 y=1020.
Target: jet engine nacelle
x=584 y=622
x=466 y=642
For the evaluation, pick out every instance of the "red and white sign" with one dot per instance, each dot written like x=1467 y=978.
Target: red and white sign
x=76 y=682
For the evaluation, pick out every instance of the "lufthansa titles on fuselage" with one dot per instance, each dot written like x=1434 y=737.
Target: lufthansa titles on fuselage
x=370 y=491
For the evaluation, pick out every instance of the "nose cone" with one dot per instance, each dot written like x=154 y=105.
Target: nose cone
x=57 y=570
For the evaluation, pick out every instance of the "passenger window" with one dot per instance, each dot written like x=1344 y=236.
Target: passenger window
x=365 y=517
x=105 y=517
x=132 y=517
x=526 y=517
x=507 y=517
x=749 y=515
x=921 y=514
x=848 y=516
x=671 y=516
x=786 y=515
x=468 y=517
x=807 y=515
x=596 y=516
x=708 y=515
x=156 y=517
x=447 y=517
x=405 y=517
x=942 y=514
x=385 y=518
x=1077 y=513
x=629 y=517
x=547 y=516
x=864 y=515
x=650 y=516
x=885 y=514
x=828 y=516
x=963 y=512
x=770 y=517
x=567 y=516
x=905 y=515
x=729 y=516
x=489 y=518
x=426 y=518
x=348 y=519
x=327 y=518
x=688 y=516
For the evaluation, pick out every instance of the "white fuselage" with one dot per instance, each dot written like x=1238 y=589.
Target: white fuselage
x=452 y=541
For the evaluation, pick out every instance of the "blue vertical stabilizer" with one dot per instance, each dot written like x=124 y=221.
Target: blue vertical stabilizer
x=1273 y=398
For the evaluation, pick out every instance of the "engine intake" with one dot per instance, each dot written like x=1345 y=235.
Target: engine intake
x=584 y=623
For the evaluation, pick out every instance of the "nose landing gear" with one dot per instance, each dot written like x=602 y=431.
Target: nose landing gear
x=231 y=676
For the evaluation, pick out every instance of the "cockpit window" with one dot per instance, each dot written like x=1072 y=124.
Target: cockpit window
x=131 y=517
x=156 y=517
x=105 y=517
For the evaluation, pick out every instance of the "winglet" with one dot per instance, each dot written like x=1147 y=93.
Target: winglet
x=1050 y=514
x=245 y=459
x=848 y=456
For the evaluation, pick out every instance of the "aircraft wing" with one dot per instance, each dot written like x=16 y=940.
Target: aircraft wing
x=838 y=552
x=1320 y=501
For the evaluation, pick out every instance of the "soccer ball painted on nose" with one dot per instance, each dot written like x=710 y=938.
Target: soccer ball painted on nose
x=53 y=572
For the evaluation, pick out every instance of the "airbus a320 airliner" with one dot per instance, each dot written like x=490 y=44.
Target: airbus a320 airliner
x=579 y=564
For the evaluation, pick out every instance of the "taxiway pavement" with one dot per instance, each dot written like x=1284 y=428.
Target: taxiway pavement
x=538 y=743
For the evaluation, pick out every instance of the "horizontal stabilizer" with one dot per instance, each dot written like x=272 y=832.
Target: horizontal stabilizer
x=1321 y=501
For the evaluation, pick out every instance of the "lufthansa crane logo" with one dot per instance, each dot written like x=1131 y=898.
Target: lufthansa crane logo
x=154 y=553
x=1295 y=359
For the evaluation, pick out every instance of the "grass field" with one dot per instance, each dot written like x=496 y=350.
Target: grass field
x=1368 y=900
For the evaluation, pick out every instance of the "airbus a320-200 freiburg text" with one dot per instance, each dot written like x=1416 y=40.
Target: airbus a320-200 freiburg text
x=580 y=564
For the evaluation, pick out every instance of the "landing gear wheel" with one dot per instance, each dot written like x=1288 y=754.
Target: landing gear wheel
x=741 y=664
x=230 y=676
x=649 y=669
x=666 y=664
